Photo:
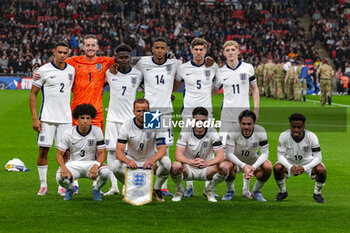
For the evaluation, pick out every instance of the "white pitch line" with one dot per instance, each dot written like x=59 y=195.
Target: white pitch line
x=341 y=105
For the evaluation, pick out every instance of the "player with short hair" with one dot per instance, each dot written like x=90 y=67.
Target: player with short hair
x=198 y=79
x=242 y=146
x=146 y=148
x=299 y=152
x=55 y=114
x=158 y=77
x=194 y=156
x=123 y=88
x=82 y=141
x=236 y=78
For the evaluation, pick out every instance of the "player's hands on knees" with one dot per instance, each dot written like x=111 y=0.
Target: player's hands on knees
x=203 y=164
x=114 y=68
x=36 y=75
x=65 y=173
x=197 y=162
x=149 y=163
x=132 y=164
x=93 y=173
x=209 y=61
x=296 y=170
x=37 y=125
x=248 y=172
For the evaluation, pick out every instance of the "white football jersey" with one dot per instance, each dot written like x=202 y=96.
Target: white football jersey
x=246 y=149
x=56 y=85
x=123 y=88
x=158 y=82
x=82 y=147
x=298 y=153
x=199 y=147
x=235 y=84
x=142 y=144
x=198 y=84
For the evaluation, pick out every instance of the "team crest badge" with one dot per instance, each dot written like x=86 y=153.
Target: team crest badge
x=99 y=66
x=148 y=135
x=305 y=149
x=139 y=179
x=255 y=144
x=91 y=142
x=205 y=144
x=243 y=77
x=133 y=80
x=207 y=73
x=168 y=68
x=107 y=142
x=70 y=77
x=42 y=138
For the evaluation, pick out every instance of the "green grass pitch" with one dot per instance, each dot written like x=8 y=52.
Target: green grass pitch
x=21 y=210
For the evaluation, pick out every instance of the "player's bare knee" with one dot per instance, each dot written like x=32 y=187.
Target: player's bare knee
x=176 y=168
x=224 y=168
x=278 y=171
x=267 y=166
x=321 y=173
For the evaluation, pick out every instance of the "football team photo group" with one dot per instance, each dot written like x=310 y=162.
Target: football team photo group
x=201 y=153
x=174 y=116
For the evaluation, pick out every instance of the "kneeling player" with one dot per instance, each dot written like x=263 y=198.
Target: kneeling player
x=298 y=151
x=242 y=145
x=82 y=141
x=194 y=156
x=145 y=149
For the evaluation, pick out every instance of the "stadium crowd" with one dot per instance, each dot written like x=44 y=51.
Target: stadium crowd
x=264 y=29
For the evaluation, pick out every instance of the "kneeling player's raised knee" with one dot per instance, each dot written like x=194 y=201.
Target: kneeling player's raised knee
x=176 y=168
x=225 y=167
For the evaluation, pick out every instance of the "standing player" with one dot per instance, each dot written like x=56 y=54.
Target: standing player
x=299 y=152
x=236 y=78
x=242 y=147
x=145 y=149
x=123 y=88
x=324 y=75
x=55 y=114
x=159 y=76
x=198 y=79
x=194 y=156
x=82 y=141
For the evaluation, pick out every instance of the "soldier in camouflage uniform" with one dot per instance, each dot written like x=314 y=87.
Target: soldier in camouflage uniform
x=268 y=78
x=279 y=78
x=297 y=83
x=259 y=73
x=324 y=75
x=290 y=79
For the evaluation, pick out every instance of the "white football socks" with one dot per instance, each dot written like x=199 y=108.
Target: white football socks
x=318 y=187
x=42 y=170
x=281 y=184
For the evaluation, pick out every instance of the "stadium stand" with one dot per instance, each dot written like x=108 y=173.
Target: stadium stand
x=263 y=28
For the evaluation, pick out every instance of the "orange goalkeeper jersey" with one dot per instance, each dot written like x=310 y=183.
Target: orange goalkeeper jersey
x=88 y=83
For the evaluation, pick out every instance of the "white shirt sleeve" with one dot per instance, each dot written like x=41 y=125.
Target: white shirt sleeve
x=40 y=82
